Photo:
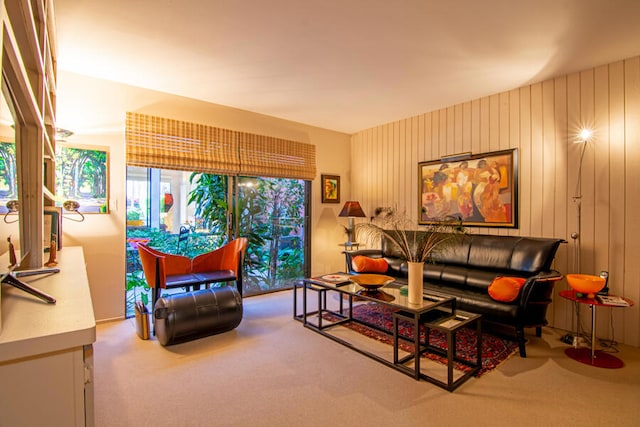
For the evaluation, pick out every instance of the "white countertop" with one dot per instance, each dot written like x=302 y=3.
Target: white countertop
x=31 y=327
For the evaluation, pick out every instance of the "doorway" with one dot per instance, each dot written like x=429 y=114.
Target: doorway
x=273 y=213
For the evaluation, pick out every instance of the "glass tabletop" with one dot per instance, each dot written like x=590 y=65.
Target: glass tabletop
x=391 y=294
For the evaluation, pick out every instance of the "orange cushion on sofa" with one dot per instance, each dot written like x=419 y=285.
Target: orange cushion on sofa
x=505 y=289
x=364 y=264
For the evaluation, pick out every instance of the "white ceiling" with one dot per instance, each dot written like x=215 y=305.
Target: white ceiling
x=344 y=65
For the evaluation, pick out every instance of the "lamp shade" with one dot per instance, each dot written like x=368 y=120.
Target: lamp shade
x=352 y=209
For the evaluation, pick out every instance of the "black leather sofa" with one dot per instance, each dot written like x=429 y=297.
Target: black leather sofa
x=467 y=267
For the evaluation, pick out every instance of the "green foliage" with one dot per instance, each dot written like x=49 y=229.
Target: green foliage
x=270 y=215
x=209 y=199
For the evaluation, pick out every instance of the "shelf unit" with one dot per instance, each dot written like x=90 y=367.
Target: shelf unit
x=29 y=86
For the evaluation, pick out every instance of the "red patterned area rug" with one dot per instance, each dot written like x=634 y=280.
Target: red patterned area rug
x=495 y=350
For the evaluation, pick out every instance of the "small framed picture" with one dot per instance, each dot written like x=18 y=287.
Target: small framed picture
x=330 y=188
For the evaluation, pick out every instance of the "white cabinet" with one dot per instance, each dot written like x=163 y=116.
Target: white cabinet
x=46 y=353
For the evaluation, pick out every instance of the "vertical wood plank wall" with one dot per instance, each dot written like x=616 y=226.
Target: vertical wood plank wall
x=542 y=121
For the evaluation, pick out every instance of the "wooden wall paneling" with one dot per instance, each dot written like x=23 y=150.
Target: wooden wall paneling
x=372 y=154
x=428 y=137
x=372 y=183
x=450 y=132
x=384 y=166
x=617 y=187
x=442 y=134
x=435 y=135
x=505 y=122
x=494 y=122
x=393 y=198
x=421 y=138
x=388 y=165
x=402 y=172
x=466 y=128
x=386 y=161
x=548 y=165
x=396 y=198
x=537 y=162
x=475 y=127
x=484 y=125
x=369 y=154
x=402 y=146
x=412 y=167
x=602 y=197
x=514 y=137
x=457 y=129
x=354 y=141
x=631 y=288
x=562 y=310
x=363 y=161
x=525 y=160
x=542 y=121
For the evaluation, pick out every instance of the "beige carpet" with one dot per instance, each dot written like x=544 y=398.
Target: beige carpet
x=271 y=371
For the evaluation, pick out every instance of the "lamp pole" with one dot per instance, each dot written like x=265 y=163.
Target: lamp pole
x=577 y=200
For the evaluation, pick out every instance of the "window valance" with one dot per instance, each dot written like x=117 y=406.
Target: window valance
x=157 y=142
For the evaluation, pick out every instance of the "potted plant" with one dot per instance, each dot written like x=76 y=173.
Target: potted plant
x=416 y=244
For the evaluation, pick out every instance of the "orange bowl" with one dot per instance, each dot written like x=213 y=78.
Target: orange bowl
x=585 y=283
x=372 y=281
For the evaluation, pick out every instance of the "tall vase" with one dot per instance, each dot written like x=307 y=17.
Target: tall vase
x=415 y=282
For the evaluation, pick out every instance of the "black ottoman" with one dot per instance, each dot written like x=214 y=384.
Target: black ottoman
x=183 y=317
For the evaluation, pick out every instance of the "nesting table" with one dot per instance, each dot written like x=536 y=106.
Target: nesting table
x=434 y=312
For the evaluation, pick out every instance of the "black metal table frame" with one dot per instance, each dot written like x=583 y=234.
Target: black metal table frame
x=449 y=353
x=416 y=317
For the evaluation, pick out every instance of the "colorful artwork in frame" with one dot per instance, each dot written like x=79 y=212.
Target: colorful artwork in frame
x=480 y=189
x=330 y=188
x=82 y=176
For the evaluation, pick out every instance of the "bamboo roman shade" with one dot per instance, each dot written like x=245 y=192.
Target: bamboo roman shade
x=156 y=142
x=267 y=156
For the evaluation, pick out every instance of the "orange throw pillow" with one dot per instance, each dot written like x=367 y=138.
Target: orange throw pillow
x=505 y=289
x=364 y=264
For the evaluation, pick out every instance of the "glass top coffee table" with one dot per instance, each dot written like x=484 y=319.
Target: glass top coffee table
x=332 y=312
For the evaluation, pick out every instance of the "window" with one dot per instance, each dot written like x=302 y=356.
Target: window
x=271 y=212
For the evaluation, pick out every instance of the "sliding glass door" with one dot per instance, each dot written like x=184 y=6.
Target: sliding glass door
x=192 y=213
x=273 y=213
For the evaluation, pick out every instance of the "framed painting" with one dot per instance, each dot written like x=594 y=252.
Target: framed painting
x=82 y=176
x=330 y=188
x=480 y=189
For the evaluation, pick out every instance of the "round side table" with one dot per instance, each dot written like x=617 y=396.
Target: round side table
x=591 y=356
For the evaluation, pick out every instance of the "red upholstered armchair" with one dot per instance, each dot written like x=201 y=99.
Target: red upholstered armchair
x=168 y=271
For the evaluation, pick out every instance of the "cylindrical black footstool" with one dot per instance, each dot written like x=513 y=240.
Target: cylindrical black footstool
x=183 y=317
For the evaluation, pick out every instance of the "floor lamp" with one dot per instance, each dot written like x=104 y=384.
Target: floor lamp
x=584 y=137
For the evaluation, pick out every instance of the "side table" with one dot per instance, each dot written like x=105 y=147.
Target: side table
x=348 y=247
x=591 y=356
